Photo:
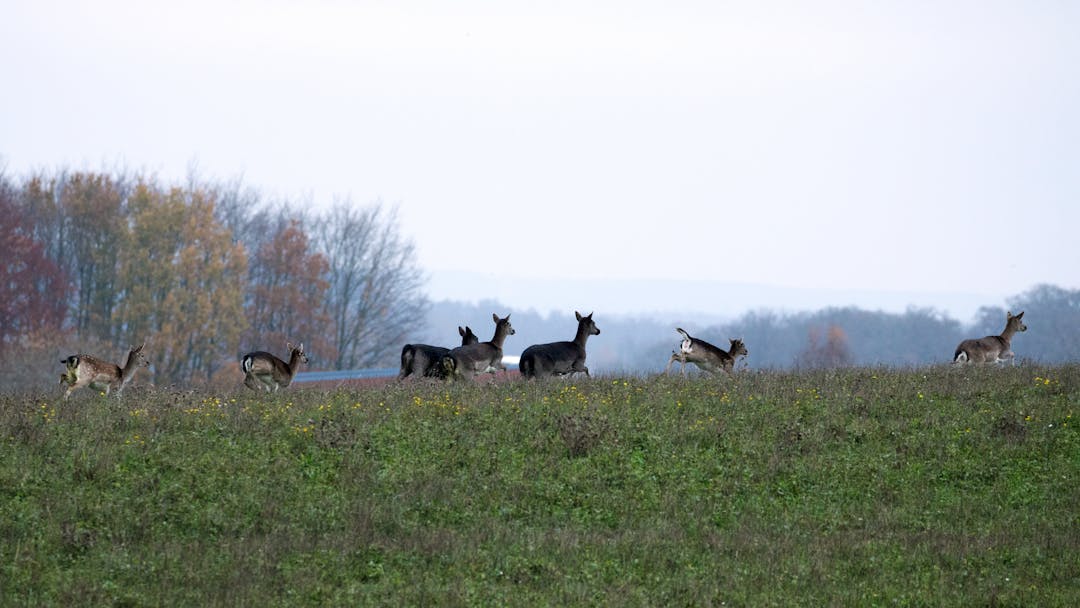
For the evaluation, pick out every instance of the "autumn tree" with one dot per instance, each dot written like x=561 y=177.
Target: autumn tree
x=824 y=353
x=33 y=289
x=183 y=278
x=375 y=295
x=288 y=294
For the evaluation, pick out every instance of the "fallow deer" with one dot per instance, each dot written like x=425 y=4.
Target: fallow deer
x=991 y=349
x=426 y=360
x=88 y=371
x=467 y=361
x=706 y=356
x=263 y=370
x=559 y=358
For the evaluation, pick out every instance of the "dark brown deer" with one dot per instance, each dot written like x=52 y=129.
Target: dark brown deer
x=426 y=360
x=991 y=349
x=559 y=358
x=88 y=371
x=706 y=356
x=467 y=361
x=264 y=371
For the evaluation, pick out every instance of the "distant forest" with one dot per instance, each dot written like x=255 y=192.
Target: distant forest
x=832 y=337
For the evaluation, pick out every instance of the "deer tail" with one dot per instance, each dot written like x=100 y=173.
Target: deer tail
x=526 y=367
x=408 y=353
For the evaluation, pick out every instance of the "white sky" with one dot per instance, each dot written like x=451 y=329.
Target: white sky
x=908 y=145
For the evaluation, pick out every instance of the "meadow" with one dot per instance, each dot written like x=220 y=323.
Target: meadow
x=933 y=486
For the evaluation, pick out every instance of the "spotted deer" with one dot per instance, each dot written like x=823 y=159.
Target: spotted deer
x=264 y=371
x=426 y=360
x=482 y=357
x=991 y=349
x=706 y=356
x=559 y=358
x=88 y=371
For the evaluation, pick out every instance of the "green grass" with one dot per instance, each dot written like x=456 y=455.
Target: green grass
x=935 y=486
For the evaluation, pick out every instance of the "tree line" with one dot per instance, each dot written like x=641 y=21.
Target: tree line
x=828 y=338
x=202 y=271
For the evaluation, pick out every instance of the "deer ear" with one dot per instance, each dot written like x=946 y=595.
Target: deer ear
x=495 y=317
x=1021 y=315
x=460 y=330
x=577 y=315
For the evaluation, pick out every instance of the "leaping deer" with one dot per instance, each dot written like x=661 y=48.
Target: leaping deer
x=706 y=356
x=991 y=349
x=559 y=358
x=263 y=370
x=426 y=360
x=467 y=361
x=88 y=371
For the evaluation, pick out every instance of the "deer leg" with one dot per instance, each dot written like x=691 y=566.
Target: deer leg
x=74 y=383
x=673 y=359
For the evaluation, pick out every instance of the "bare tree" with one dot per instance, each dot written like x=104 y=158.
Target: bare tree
x=252 y=220
x=375 y=295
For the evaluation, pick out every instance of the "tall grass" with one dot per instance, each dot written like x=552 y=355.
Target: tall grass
x=936 y=486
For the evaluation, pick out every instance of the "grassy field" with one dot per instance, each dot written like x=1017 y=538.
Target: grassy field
x=935 y=486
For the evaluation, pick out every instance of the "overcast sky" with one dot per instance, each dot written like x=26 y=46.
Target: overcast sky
x=865 y=145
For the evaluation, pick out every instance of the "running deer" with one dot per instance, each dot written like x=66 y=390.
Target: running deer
x=559 y=358
x=706 y=356
x=426 y=360
x=991 y=349
x=87 y=371
x=467 y=361
x=263 y=370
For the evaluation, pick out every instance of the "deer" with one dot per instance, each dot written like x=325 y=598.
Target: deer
x=426 y=360
x=559 y=358
x=263 y=370
x=991 y=349
x=482 y=357
x=706 y=356
x=88 y=371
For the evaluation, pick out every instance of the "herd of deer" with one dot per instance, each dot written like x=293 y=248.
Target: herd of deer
x=264 y=371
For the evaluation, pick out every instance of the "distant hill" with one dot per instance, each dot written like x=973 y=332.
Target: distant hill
x=706 y=301
x=776 y=337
